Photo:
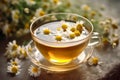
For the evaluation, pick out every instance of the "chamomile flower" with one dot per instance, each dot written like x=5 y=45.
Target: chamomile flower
x=15 y=15
x=64 y=25
x=39 y=12
x=85 y=7
x=22 y=52
x=34 y=71
x=30 y=2
x=79 y=25
x=7 y=30
x=11 y=50
x=93 y=61
x=11 y=54
x=14 y=2
x=56 y=2
x=14 y=69
x=15 y=61
x=12 y=46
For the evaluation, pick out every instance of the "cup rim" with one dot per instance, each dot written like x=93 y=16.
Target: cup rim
x=84 y=39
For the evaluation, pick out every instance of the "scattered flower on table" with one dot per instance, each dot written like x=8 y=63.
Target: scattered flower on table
x=11 y=50
x=15 y=62
x=22 y=52
x=14 y=50
x=34 y=71
x=14 y=69
x=93 y=61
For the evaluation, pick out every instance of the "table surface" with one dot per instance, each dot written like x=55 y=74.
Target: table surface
x=109 y=58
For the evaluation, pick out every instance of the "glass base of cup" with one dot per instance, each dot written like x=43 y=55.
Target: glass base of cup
x=36 y=57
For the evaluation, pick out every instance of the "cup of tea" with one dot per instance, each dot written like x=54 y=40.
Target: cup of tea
x=61 y=37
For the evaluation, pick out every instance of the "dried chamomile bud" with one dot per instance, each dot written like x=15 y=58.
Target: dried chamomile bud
x=72 y=35
x=72 y=29
x=46 y=31
x=93 y=61
x=58 y=37
x=79 y=27
x=64 y=26
x=77 y=33
x=106 y=41
x=114 y=26
x=115 y=42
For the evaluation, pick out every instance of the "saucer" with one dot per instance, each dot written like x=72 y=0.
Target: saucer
x=36 y=57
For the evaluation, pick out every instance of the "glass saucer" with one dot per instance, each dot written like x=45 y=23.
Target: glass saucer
x=36 y=57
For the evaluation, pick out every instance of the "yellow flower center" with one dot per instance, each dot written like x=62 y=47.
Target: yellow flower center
x=46 y=31
x=25 y=54
x=95 y=60
x=79 y=27
x=15 y=46
x=16 y=15
x=14 y=69
x=58 y=38
x=59 y=28
x=29 y=49
x=31 y=0
x=86 y=7
x=14 y=63
x=64 y=26
x=72 y=35
x=72 y=29
x=77 y=33
x=27 y=26
x=42 y=13
x=35 y=69
x=55 y=1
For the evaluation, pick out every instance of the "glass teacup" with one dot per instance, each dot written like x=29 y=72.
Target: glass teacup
x=55 y=38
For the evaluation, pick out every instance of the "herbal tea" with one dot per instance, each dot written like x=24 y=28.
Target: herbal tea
x=60 y=42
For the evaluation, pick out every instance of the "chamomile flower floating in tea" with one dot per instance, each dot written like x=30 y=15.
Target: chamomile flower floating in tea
x=79 y=26
x=14 y=69
x=72 y=29
x=58 y=37
x=77 y=33
x=72 y=35
x=34 y=71
x=46 y=31
x=62 y=30
x=64 y=25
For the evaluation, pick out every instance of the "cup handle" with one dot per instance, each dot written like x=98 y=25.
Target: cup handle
x=95 y=39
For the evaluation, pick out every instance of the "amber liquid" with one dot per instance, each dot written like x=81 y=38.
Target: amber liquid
x=60 y=55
